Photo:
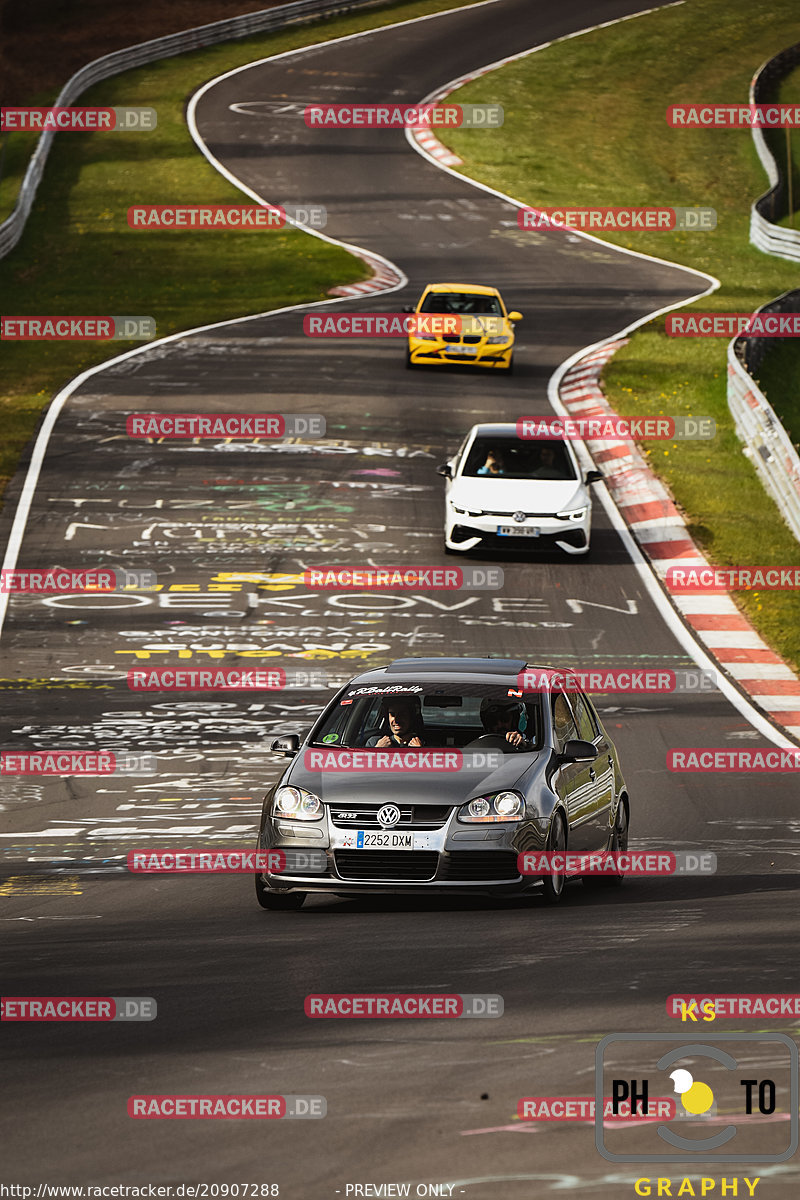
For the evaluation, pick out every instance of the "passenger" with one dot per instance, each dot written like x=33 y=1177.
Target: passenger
x=547 y=467
x=494 y=465
x=501 y=718
x=405 y=724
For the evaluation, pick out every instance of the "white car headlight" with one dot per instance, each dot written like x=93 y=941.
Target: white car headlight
x=499 y=806
x=468 y=512
x=574 y=514
x=296 y=804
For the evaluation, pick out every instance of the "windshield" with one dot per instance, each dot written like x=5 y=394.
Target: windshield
x=434 y=716
x=468 y=303
x=512 y=458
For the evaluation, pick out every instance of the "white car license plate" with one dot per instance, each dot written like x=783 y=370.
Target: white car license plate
x=384 y=840
x=518 y=531
x=461 y=350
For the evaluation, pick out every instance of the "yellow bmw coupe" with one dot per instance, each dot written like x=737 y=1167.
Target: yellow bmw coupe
x=462 y=323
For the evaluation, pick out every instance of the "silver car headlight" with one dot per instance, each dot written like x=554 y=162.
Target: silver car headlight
x=574 y=514
x=498 y=806
x=296 y=804
x=497 y=341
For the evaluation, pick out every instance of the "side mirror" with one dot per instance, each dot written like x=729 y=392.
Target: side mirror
x=594 y=476
x=446 y=470
x=515 y=316
x=287 y=746
x=577 y=750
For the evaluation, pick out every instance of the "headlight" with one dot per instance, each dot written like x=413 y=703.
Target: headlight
x=425 y=337
x=500 y=806
x=468 y=512
x=575 y=514
x=296 y=803
x=497 y=341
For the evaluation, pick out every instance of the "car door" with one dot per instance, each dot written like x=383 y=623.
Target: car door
x=601 y=771
x=574 y=781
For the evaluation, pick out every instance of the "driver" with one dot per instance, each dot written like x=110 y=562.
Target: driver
x=405 y=724
x=502 y=718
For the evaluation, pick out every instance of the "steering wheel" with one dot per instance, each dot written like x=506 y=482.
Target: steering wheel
x=488 y=741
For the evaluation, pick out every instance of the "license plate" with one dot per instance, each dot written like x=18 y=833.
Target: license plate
x=461 y=350
x=517 y=531
x=366 y=840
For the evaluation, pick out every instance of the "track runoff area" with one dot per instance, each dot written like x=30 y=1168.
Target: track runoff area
x=442 y=1046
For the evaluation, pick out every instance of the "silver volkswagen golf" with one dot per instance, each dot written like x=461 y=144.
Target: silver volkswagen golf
x=436 y=774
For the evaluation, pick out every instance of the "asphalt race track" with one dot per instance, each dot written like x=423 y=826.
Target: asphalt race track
x=407 y=1101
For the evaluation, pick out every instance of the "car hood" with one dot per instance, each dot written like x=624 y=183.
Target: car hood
x=529 y=495
x=421 y=787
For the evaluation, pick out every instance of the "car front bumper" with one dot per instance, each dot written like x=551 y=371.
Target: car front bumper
x=455 y=858
x=464 y=532
x=442 y=353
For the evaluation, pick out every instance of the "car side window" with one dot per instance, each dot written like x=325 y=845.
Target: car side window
x=563 y=720
x=586 y=725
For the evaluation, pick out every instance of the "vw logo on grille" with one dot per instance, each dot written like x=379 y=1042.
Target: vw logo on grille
x=519 y=516
x=388 y=815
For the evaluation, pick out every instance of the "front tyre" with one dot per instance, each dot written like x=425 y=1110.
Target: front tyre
x=619 y=841
x=277 y=901
x=556 y=840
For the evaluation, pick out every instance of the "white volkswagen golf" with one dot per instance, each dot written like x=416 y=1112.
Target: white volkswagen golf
x=502 y=490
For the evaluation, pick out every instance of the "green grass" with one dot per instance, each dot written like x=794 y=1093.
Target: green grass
x=582 y=127
x=78 y=255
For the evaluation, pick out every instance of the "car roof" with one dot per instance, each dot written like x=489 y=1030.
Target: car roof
x=504 y=429
x=482 y=289
x=501 y=672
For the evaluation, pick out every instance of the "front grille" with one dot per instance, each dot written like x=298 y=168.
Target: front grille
x=471 y=866
x=541 y=516
x=402 y=866
x=412 y=816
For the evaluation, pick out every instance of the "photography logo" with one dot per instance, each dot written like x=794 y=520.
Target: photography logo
x=736 y=1097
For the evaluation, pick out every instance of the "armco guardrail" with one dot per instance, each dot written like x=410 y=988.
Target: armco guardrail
x=146 y=52
x=768 y=443
x=764 y=234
